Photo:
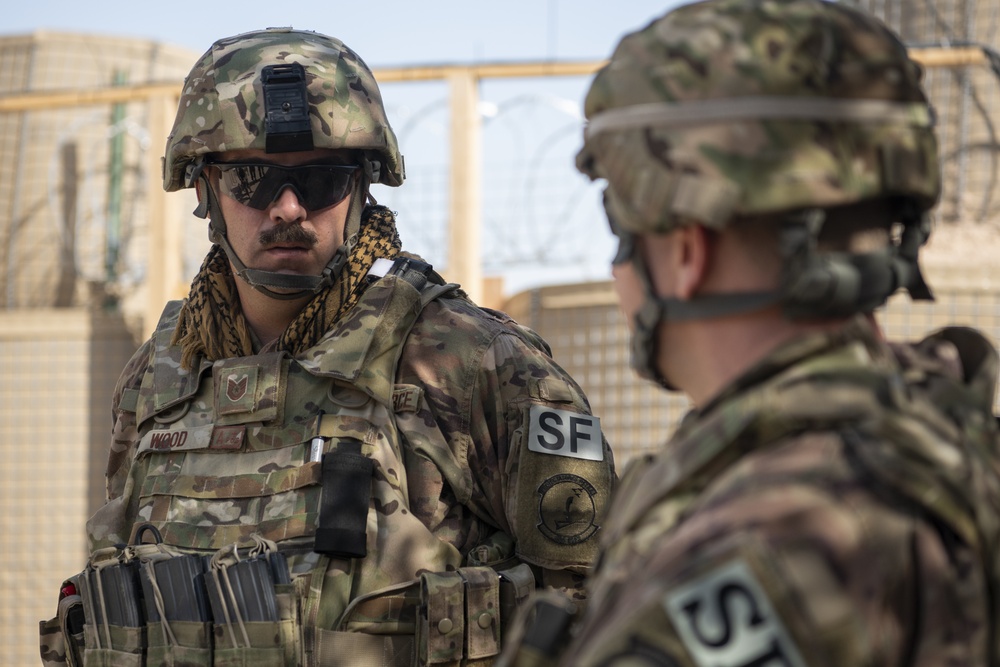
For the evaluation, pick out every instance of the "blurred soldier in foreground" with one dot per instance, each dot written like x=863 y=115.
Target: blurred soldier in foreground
x=325 y=455
x=831 y=499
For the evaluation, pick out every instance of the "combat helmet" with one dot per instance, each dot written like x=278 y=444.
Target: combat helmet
x=281 y=90
x=726 y=110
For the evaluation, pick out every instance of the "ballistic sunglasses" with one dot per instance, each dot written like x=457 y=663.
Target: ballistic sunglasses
x=626 y=240
x=258 y=184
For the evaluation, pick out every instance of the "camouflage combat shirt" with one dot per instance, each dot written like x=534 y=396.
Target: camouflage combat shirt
x=485 y=452
x=822 y=511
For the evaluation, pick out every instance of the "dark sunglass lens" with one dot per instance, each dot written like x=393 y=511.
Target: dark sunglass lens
x=269 y=185
x=258 y=185
x=322 y=186
x=243 y=181
x=626 y=241
x=626 y=248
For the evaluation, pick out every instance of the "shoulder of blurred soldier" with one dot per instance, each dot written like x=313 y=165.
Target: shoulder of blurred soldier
x=834 y=525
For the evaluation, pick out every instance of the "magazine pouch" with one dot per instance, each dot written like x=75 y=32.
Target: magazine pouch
x=253 y=607
x=114 y=627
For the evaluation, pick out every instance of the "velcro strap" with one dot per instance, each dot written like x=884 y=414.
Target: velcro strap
x=442 y=619
x=482 y=611
x=399 y=609
x=71 y=623
x=343 y=512
x=129 y=400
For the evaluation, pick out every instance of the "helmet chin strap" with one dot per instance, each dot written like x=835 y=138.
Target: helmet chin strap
x=815 y=285
x=647 y=319
x=656 y=309
x=267 y=282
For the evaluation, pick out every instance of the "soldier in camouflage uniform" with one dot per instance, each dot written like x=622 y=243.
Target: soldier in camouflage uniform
x=407 y=465
x=831 y=499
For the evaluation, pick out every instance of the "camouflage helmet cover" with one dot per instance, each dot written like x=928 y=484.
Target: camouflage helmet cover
x=221 y=105
x=746 y=107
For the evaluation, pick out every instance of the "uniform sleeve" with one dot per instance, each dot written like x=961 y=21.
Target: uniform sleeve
x=524 y=453
x=532 y=423
x=778 y=568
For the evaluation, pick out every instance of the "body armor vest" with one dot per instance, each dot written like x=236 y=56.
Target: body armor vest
x=281 y=415
x=302 y=454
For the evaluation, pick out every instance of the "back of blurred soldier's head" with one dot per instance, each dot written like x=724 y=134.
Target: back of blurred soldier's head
x=726 y=112
x=799 y=127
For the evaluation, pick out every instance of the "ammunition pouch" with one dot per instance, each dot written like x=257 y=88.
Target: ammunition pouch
x=149 y=605
x=61 y=638
x=114 y=629
x=178 y=627
x=146 y=604
x=445 y=618
x=253 y=610
x=459 y=616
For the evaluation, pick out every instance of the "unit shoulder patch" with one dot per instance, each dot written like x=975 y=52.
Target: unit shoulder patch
x=565 y=433
x=725 y=619
x=566 y=509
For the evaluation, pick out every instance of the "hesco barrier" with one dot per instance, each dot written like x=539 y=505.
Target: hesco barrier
x=590 y=339
x=58 y=368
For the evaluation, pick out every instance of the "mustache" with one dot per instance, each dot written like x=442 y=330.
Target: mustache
x=288 y=234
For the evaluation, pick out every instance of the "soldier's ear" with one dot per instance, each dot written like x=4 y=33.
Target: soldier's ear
x=692 y=252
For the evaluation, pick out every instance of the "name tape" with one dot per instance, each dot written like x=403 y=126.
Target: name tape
x=198 y=437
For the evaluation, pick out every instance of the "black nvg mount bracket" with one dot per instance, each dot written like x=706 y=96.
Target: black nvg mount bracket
x=286 y=109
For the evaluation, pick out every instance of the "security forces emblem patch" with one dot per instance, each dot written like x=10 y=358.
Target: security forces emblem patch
x=725 y=619
x=565 y=433
x=566 y=510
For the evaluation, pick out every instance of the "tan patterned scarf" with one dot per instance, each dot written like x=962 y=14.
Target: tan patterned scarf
x=211 y=322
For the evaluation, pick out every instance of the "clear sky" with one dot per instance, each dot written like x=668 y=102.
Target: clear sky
x=391 y=32
x=542 y=222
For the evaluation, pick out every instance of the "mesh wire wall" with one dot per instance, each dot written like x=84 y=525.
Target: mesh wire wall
x=966 y=98
x=72 y=205
x=591 y=343
x=57 y=371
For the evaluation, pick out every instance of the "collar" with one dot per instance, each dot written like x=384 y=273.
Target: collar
x=857 y=330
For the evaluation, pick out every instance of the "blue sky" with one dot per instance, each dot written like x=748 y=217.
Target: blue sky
x=542 y=221
x=392 y=32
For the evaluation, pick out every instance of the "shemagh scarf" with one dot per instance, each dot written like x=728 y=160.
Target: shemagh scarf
x=211 y=323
